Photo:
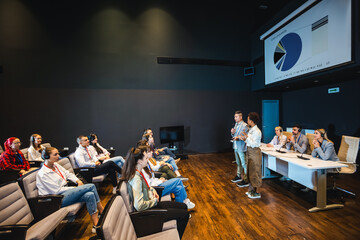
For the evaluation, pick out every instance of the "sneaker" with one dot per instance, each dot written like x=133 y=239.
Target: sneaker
x=249 y=192
x=114 y=190
x=190 y=205
x=242 y=184
x=254 y=195
x=93 y=229
x=236 y=179
x=305 y=190
x=184 y=179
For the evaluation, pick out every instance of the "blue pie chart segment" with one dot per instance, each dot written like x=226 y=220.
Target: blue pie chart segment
x=287 y=51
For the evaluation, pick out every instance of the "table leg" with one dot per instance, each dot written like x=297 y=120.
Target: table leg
x=321 y=194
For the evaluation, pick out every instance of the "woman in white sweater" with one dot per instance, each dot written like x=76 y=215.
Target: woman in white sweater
x=35 y=149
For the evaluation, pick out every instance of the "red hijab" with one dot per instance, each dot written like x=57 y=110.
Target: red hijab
x=7 y=145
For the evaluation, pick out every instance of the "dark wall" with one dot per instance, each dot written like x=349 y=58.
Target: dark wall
x=75 y=67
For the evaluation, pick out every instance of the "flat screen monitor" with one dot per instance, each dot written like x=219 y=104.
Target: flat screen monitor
x=171 y=134
x=316 y=40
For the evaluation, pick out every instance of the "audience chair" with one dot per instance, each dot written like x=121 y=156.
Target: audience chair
x=42 y=206
x=16 y=219
x=25 y=152
x=138 y=220
x=347 y=154
x=288 y=134
x=115 y=223
x=85 y=171
x=9 y=175
x=310 y=137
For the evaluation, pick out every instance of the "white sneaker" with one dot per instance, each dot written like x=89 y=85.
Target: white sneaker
x=189 y=204
x=114 y=190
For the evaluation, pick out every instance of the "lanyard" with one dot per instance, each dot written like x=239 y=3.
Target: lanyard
x=88 y=153
x=298 y=139
x=143 y=178
x=57 y=172
x=18 y=156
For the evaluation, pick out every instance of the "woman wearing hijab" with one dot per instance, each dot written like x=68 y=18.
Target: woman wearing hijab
x=12 y=158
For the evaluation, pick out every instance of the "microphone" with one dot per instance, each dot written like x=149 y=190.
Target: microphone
x=279 y=150
x=303 y=158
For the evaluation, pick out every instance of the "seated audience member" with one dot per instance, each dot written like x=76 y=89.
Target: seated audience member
x=298 y=141
x=52 y=179
x=173 y=185
x=165 y=168
x=35 y=149
x=279 y=139
x=145 y=197
x=84 y=158
x=101 y=153
x=13 y=158
x=323 y=147
x=159 y=151
x=165 y=158
x=253 y=156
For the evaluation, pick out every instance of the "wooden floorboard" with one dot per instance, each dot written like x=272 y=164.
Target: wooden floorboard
x=223 y=211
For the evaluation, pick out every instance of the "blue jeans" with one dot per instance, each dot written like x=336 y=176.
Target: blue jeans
x=118 y=160
x=167 y=151
x=241 y=164
x=176 y=187
x=85 y=193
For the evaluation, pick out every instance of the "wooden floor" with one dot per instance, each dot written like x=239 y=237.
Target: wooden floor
x=223 y=211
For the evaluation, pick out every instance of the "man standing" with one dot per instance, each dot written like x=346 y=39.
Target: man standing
x=253 y=155
x=298 y=141
x=239 y=149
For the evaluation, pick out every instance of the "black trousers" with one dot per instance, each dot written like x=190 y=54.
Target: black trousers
x=109 y=168
x=176 y=211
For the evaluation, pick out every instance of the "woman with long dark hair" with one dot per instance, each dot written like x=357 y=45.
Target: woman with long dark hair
x=101 y=153
x=143 y=196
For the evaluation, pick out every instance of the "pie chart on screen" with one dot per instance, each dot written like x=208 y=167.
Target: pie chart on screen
x=287 y=51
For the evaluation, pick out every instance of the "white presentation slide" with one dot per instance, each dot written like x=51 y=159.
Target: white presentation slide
x=318 y=39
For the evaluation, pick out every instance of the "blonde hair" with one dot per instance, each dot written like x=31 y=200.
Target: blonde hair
x=323 y=134
x=281 y=130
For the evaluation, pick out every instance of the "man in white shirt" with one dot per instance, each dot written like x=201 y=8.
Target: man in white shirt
x=85 y=158
x=253 y=155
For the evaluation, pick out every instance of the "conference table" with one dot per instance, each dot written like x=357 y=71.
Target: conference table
x=310 y=173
